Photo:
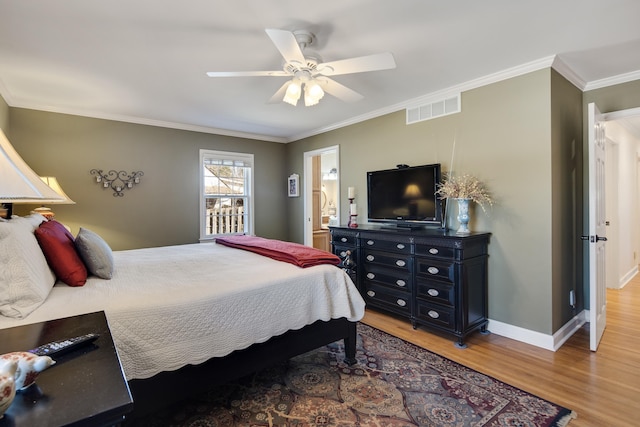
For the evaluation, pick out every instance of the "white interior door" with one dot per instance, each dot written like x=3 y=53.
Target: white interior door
x=597 y=227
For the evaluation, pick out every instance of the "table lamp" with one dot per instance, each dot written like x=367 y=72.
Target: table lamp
x=19 y=183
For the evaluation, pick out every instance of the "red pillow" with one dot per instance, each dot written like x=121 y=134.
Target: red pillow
x=59 y=249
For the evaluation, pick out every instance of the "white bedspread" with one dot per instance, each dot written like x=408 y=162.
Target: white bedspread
x=172 y=306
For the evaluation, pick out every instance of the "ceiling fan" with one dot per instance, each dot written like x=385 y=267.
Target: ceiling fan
x=308 y=72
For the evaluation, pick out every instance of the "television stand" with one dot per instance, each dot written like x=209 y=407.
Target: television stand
x=433 y=277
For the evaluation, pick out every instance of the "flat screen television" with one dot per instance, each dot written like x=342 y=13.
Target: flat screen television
x=405 y=196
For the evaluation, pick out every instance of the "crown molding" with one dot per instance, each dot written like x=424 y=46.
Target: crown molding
x=138 y=120
x=615 y=80
x=565 y=71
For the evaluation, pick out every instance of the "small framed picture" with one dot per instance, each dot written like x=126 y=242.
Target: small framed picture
x=293 y=185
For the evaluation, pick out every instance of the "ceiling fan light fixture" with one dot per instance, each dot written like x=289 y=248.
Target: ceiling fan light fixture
x=292 y=95
x=313 y=93
x=313 y=89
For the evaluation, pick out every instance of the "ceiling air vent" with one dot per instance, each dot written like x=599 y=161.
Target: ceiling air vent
x=438 y=108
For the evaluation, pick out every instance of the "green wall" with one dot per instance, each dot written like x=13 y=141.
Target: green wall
x=4 y=116
x=566 y=199
x=504 y=136
x=163 y=208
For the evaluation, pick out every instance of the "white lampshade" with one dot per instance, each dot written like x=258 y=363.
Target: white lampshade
x=52 y=182
x=18 y=182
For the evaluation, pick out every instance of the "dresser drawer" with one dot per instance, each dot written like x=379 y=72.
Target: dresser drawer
x=341 y=251
x=436 y=292
x=343 y=239
x=436 y=314
x=391 y=299
x=387 y=259
x=386 y=245
x=435 y=269
x=435 y=251
x=390 y=277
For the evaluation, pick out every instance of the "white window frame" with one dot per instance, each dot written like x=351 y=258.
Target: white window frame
x=225 y=155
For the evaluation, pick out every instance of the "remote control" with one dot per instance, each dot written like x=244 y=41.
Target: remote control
x=64 y=346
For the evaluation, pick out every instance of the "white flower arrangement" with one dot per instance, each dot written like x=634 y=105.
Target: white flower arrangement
x=465 y=187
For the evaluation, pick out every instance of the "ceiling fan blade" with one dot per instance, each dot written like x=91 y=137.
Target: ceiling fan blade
x=380 y=61
x=287 y=44
x=338 y=90
x=246 y=73
x=279 y=95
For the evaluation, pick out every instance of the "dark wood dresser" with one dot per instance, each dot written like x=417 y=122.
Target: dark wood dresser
x=433 y=277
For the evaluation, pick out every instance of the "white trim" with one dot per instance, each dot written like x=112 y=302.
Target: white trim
x=538 y=339
x=565 y=71
x=624 y=280
x=146 y=121
x=247 y=157
x=569 y=328
x=615 y=80
x=517 y=333
x=307 y=157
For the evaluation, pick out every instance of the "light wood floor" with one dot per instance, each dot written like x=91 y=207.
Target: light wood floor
x=603 y=387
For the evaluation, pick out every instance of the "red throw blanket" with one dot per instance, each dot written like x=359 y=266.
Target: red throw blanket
x=293 y=253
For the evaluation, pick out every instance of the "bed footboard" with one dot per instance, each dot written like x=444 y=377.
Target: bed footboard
x=169 y=387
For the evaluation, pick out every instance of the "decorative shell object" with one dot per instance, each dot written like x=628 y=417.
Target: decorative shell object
x=29 y=366
x=7 y=384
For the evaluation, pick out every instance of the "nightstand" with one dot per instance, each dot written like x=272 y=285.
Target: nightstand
x=86 y=387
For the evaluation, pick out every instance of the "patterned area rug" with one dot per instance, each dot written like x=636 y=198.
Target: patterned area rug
x=394 y=384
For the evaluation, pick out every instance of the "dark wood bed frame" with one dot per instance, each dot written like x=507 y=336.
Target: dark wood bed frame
x=169 y=387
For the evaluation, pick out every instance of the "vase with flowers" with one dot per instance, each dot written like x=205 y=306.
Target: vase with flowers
x=464 y=188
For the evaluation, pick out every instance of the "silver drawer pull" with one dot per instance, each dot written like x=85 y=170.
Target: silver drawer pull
x=343 y=254
x=400 y=246
x=433 y=314
x=400 y=263
x=401 y=302
x=371 y=276
x=433 y=270
x=370 y=257
x=401 y=283
x=433 y=251
x=343 y=240
x=371 y=294
x=433 y=292
x=370 y=242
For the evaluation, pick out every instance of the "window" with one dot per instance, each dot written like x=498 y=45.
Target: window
x=226 y=188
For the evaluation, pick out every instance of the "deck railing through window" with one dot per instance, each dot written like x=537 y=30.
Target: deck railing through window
x=225 y=220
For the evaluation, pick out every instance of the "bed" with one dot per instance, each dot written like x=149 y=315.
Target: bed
x=190 y=316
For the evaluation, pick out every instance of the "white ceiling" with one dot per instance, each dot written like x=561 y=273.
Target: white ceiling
x=145 y=61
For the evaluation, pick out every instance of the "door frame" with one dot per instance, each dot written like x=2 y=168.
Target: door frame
x=308 y=189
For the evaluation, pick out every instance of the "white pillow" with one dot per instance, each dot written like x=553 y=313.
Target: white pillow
x=25 y=276
x=95 y=253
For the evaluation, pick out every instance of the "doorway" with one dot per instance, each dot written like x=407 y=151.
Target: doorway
x=622 y=196
x=321 y=195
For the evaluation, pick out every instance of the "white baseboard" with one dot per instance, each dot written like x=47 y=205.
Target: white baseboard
x=538 y=339
x=627 y=277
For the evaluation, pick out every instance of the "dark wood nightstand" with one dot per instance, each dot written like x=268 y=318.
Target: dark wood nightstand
x=85 y=387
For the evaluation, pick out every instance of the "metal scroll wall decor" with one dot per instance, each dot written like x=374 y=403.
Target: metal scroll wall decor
x=118 y=181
